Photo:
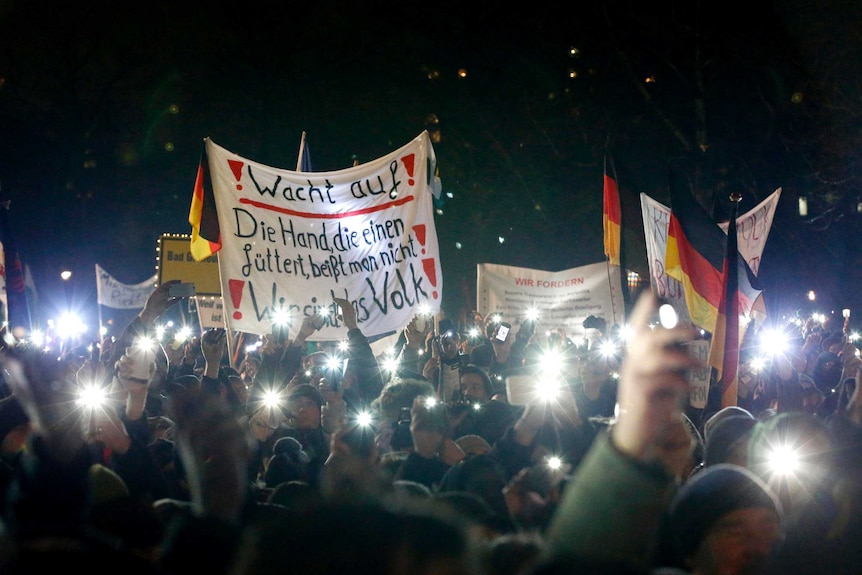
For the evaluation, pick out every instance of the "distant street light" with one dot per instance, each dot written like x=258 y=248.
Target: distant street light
x=65 y=275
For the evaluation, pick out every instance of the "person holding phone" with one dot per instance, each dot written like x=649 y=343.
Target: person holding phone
x=442 y=368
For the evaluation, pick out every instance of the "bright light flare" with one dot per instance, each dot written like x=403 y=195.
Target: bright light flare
x=271 y=398
x=607 y=348
x=784 y=460
x=773 y=341
x=547 y=388
x=183 y=334
x=280 y=317
x=552 y=362
x=333 y=363
x=91 y=396
x=364 y=419
x=145 y=343
x=430 y=402
x=390 y=364
x=757 y=364
x=555 y=462
x=532 y=314
x=70 y=326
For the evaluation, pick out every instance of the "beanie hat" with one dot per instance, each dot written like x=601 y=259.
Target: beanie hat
x=291 y=448
x=710 y=495
x=725 y=412
x=105 y=484
x=725 y=436
x=306 y=390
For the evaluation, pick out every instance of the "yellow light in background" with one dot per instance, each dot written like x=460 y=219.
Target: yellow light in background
x=462 y=73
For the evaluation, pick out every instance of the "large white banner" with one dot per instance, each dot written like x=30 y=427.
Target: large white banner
x=117 y=295
x=293 y=240
x=563 y=299
x=752 y=229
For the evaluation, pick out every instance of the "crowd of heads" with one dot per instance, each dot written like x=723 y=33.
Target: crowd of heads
x=430 y=454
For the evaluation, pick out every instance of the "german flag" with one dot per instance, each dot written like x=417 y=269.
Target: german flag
x=697 y=256
x=206 y=235
x=611 y=218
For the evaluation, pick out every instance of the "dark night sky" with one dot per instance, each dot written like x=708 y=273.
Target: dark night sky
x=103 y=111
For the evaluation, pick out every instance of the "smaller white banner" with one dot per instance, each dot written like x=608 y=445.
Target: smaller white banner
x=115 y=294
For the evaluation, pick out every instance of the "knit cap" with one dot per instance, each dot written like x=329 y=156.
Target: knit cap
x=710 y=495
x=306 y=390
x=725 y=436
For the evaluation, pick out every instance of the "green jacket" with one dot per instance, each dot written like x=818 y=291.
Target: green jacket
x=611 y=511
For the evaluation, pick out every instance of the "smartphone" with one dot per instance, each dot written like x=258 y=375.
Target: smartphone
x=182 y=290
x=95 y=350
x=404 y=415
x=503 y=332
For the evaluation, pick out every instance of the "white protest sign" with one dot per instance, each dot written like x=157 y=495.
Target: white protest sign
x=656 y=217
x=563 y=299
x=699 y=378
x=752 y=229
x=293 y=240
x=114 y=294
x=210 y=312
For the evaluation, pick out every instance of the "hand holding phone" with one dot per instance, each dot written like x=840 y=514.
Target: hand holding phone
x=182 y=290
x=502 y=333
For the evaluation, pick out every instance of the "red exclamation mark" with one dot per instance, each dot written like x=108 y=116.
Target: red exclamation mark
x=420 y=235
x=430 y=273
x=408 y=165
x=235 y=287
x=236 y=168
x=427 y=263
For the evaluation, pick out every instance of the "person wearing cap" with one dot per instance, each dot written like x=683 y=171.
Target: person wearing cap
x=479 y=412
x=725 y=520
x=304 y=423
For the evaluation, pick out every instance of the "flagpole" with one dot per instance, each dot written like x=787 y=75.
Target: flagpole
x=730 y=360
x=301 y=152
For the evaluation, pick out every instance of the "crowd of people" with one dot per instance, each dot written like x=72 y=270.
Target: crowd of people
x=459 y=452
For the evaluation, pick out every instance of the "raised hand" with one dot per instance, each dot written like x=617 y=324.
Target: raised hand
x=653 y=384
x=348 y=312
